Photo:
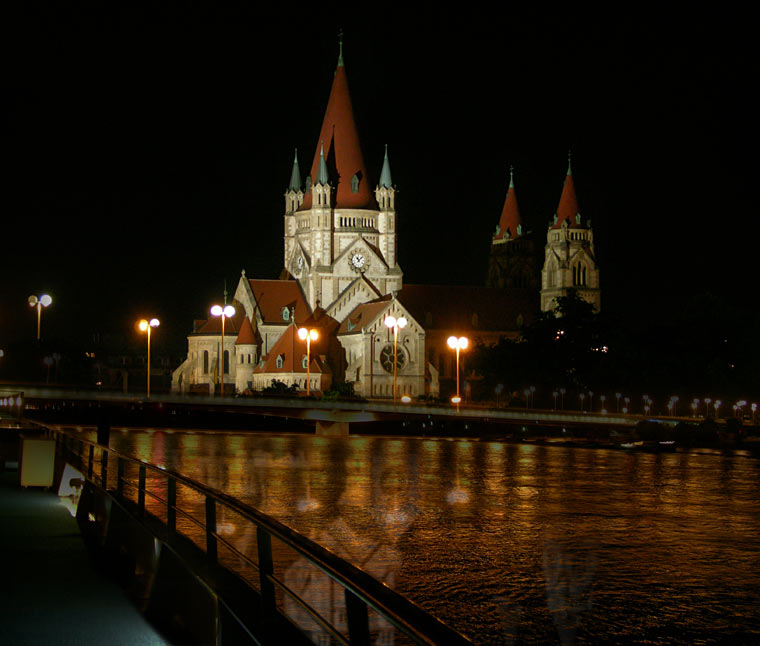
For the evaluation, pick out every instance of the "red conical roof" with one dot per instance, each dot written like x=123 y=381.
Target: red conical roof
x=341 y=150
x=510 y=215
x=246 y=335
x=568 y=204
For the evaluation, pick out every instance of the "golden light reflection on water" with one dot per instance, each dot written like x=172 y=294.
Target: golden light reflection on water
x=505 y=542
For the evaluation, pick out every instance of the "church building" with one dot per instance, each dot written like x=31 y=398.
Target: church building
x=341 y=278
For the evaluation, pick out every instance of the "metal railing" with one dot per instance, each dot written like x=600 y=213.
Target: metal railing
x=12 y=403
x=155 y=492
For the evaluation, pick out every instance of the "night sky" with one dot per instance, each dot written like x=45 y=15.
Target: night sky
x=146 y=150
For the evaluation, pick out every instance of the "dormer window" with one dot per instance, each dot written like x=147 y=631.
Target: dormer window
x=355 y=183
x=304 y=363
x=279 y=362
x=285 y=313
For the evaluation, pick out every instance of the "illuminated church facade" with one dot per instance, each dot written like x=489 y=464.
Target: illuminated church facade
x=341 y=277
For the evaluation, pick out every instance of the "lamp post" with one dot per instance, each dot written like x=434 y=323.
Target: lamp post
x=39 y=302
x=308 y=336
x=225 y=312
x=457 y=344
x=145 y=327
x=395 y=324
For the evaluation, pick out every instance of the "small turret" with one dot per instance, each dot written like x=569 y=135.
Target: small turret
x=294 y=194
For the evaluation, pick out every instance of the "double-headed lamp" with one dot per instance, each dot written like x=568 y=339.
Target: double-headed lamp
x=228 y=311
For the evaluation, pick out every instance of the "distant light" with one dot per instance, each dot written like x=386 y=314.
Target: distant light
x=455 y=399
x=406 y=399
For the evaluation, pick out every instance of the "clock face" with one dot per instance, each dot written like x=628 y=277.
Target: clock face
x=386 y=358
x=358 y=261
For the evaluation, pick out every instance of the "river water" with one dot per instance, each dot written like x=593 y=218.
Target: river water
x=508 y=543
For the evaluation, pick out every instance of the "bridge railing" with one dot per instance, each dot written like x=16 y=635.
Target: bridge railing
x=12 y=403
x=193 y=509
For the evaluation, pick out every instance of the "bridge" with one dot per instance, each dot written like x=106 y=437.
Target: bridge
x=337 y=417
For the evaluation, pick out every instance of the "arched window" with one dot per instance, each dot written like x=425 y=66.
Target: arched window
x=205 y=362
x=355 y=183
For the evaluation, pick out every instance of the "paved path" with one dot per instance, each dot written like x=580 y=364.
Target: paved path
x=50 y=592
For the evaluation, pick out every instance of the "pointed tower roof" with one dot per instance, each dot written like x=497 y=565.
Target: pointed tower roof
x=385 y=174
x=510 y=214
x=322 y=175
x=295 y=175
x=246 y=335
x=339 y=140
x=568 y=202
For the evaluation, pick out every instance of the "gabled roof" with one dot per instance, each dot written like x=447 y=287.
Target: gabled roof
x=342 y=151
x=510 y=214
x=213 y=325
x=272 y=296
x=363 y=315
x=293 y=350
x=451 y=307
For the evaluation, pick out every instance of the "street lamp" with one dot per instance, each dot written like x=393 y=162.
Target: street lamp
x=457 y=344
x=145 y=327
x=395 y=324
x=225 y=312
x=308 y=336
x=39 y=302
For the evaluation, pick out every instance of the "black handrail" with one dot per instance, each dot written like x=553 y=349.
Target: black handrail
x=362 y=591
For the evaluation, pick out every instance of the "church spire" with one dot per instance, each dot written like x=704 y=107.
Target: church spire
x=510 y=223
x=322 y=175
x=567 y=210
x=339 y=145
x=295 y=175
x=385 y=175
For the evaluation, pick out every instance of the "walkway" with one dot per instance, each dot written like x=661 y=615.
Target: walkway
x=52 y=593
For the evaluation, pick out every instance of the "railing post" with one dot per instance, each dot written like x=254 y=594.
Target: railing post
x=104 y=469
x=358 y=620
x=90 y=461
x=171 y=509
x=211 y=529
x=119 y=476
x=141 y=490
x=266 y=568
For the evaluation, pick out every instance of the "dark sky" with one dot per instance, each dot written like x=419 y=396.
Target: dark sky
x=146 y=150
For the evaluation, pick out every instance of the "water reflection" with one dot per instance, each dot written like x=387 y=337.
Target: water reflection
x=507 y=543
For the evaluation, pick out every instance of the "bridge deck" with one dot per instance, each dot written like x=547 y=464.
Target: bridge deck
x=52 y=592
